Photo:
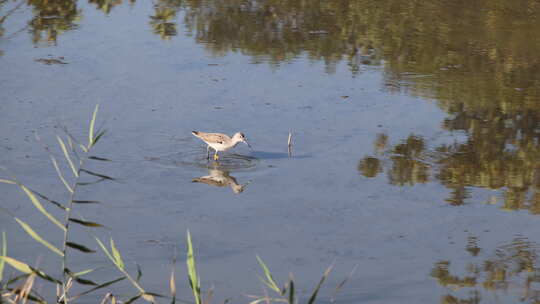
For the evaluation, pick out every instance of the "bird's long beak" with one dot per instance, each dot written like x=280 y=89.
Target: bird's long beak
x=248 y=145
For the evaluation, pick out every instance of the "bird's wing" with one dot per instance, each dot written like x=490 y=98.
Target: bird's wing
x=213 y=137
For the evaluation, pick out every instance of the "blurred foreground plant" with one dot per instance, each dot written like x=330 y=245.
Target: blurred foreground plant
x=288 y=293
x=76 y=154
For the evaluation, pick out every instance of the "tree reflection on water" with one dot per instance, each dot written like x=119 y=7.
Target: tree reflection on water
x=512 y=267
x=478 y=162
x=478 y=60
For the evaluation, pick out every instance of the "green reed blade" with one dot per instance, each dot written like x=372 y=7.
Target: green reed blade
x=81 y=273
x=270 y=282
x=316 y=291
x=97 y=174
x=66 y=155
x=85 y=281
x=20 y=266
x=91 y=183
x=98 y=158
x=45 y=276
x=117 y=256
x=291 y=292
x=85 y=223
x=38 y=238
x=57 y=204
x=60 y=175
x=86 y=202
x=16 y=278
x=79 y=247
x=6 y=181
x=85 y=150
x=135 y=298
x=194 y=280
x=97 y=287
x=40 y=207
x=98 y=136
x=139 y=273
x=79 y=279
x=92 y=126
x=105 y=250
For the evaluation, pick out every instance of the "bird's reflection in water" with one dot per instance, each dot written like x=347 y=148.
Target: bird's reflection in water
x=220 y=178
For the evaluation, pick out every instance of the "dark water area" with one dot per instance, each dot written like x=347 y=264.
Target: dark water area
x=415 y=142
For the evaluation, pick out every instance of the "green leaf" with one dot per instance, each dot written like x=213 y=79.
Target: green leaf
x=40 y=207
x=20 y=266
x=98 y=158
x=291 y=291
x=194 y=280
x=38 y=238
x=85 y=223
x=91 y=183
x=116 y=255
x=66 y=155
x=80 y=247
x=57 y=204
x=98 y=136
x=316 y=291
x=105 y=250
x=85 y=281
x=139 y=273
x=57 y=168
x=97 y=174
x=45 y=276
x=92 y=126
x=4 y=253
x=97 y=287
x=79 y=279
x=81 y=273
x=85 y=150
x=16 y=279
x=85 y=202
x=270 y=282
x=135 y=298
x=5 y=181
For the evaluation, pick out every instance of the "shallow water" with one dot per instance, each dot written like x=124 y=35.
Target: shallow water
x=415 y=142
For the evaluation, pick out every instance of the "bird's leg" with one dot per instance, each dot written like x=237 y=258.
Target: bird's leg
x=207 y=152
x=216 y=156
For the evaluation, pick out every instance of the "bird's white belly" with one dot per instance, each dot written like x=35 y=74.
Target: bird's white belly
x=219 y=147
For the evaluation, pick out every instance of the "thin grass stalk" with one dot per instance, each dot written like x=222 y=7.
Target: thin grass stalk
x=66 y=232
x=70 y=207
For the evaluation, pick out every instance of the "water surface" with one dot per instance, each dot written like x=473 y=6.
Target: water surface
x=416 y=140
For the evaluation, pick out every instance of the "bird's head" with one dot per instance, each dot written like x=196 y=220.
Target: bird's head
x=240 y=137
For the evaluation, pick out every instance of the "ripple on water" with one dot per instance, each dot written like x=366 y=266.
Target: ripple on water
x=196 y=157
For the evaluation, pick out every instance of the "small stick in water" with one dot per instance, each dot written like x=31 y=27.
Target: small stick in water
x=289 y=144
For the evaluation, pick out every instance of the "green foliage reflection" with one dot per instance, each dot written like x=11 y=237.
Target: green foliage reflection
x=511 y=269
